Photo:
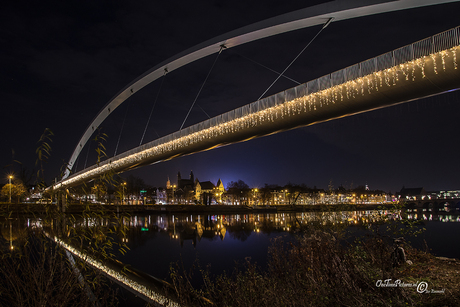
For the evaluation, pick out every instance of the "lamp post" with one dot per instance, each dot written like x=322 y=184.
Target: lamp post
x=11 y=236
x=10 y=177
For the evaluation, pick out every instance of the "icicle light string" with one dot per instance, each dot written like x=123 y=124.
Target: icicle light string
x=306 y=103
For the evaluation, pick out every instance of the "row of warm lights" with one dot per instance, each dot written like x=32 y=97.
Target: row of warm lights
x=353 y=218
x=356 y=219
x=310 y=102
x=446 y=218
x=277 y=218
x=118 y=276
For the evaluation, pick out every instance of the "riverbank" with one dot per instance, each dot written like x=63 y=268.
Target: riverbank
x=441 y=275
x=26 y=208
x=319 y=271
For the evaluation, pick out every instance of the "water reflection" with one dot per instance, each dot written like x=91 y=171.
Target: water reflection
x=157 y=240
x=194 y=228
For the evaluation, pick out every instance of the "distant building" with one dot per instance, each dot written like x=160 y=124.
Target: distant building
x=191 y=190
x=421 y=197
x=204 y=192
x=411 y=194
x=183 y=183
x=161 y=196
x=219 y=190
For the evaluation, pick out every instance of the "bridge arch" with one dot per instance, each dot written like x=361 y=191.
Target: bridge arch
x=338 y=10
x=424 y=68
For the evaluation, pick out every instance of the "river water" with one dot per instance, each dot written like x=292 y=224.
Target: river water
x=219 y=241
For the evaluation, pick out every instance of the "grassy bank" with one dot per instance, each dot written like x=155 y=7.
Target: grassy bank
x=323 y=268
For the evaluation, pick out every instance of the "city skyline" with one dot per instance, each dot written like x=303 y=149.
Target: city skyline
x=173 y=181
x=60 y=79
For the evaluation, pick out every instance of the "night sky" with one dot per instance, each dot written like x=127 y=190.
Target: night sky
x=62 y=61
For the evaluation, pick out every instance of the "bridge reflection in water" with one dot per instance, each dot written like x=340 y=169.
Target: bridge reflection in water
x=139 y=283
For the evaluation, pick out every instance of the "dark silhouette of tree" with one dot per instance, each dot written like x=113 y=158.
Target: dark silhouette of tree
x=238 y=190
x=294 y=191
x=266 y=193
x=43 y=154
x=134 y=185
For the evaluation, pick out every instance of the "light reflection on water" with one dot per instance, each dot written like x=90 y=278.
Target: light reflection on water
x=157 y=240
x=221 y=240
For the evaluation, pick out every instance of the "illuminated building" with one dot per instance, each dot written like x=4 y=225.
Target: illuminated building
x=410 y=194
x=204 y=192
x=192 y=191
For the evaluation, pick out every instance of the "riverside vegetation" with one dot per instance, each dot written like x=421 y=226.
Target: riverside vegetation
x=324 y=268
x=35 y=271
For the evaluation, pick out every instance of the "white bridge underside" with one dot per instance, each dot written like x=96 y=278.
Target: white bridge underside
x=339 y=10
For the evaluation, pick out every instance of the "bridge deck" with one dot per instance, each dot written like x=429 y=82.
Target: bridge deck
x=425 y=68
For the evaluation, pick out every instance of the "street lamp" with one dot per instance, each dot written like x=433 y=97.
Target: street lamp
x=10 y=177
x=11 y=237
x=254 y=191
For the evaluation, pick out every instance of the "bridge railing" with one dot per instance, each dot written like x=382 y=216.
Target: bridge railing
x=425 y=47
x=441 y=41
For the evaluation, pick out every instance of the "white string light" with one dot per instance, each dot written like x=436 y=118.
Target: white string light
x=454 y=55
x=359 y=86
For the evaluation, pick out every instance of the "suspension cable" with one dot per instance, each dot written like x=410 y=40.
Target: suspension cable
x=279 y=76
x=202 y=85
x=156 y=132
x=121 y=130
x=203 y=111
x=154 y=103
x=264 y=66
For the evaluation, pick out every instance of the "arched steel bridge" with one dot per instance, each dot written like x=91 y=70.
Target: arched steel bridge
x=421 y=69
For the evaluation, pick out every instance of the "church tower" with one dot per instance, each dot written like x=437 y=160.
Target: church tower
x=220 y=186
x=168 y=184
